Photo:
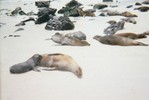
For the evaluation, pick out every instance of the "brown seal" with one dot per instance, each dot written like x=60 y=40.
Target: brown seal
x=61 y=62
x=85 y=13
x=118 y=40
x=131 y=35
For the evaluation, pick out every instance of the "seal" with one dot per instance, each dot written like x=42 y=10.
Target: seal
x=118 y=40
x=26 y=66
x=131 y=35
x=61 y=62
x=68 y=40
x=85 y=13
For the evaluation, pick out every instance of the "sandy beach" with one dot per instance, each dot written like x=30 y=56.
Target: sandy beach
x=109 y=72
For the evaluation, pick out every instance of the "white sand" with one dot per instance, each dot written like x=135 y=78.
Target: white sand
x=109 y=72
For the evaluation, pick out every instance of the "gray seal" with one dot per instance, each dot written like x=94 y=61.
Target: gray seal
x=30 y=64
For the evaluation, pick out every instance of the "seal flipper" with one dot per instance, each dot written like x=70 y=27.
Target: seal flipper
x=142 y=44
x=36 y=69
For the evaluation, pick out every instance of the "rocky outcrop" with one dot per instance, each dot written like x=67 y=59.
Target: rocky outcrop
x=73 y=3
x=42 y=3
x=59 y=23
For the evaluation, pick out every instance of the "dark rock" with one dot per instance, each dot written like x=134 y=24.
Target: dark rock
x=60 y=23
x=23 y=22
x=142 y=8
x=73 y=3
x=137 y=4
x=30 y=19
x=19 y=29
x=112 y=29
x=99 y=6
x=129 y=6
x=19 y=11
x=44 y=10
x=103 y=14
x=16 y=35
x=42 y=3
x=20 y=24
x=42 y=19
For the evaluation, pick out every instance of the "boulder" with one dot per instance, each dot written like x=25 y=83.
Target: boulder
x=138 y=4
x=73 y=3
x=59 y=23
x=129 y=6
x=45 y=10
x=42 y=19
x=99 y=6
x=42 y=3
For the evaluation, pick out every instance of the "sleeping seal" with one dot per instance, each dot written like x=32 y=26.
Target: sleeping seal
x=26 y=66
x=62 y=62
x=118 y=40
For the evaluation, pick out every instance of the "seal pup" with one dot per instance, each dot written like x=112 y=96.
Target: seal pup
x=68 y=40
x=26 y=66
x=61 y=62
x=131 y=35
x=118 y=40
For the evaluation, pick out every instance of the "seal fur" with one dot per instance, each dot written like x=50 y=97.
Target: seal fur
x=26 y=66
x=118 y=40
x=62 y=62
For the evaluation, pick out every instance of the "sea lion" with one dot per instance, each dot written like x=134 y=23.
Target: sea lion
x=67 y=40
x=85 y=13
x=26 y=66
x=118 y=40
x=130 y=20
x=79 y=35
x=146 y=33
x=62 y=62
x=131 y=35
x=128 y=14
